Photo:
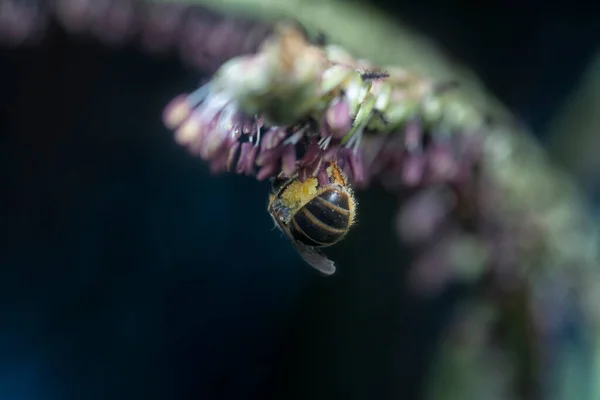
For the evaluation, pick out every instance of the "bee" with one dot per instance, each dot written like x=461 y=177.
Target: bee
x=313 y=216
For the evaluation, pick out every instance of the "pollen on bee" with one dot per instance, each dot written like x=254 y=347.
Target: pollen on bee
x=299 y=193
x=336 y=175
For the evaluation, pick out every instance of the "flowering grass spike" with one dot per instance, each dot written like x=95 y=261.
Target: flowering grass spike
x=294 y=106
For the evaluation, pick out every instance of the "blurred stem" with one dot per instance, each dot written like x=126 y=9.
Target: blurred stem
x=574 y=141
x=595 y=371
x=468 y=365
x=573 y=134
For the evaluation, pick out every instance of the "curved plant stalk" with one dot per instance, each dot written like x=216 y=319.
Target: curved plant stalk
x=509 y=222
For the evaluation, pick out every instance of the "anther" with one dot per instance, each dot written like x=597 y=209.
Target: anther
x=295 y=138
x=324 y=142
x=198 y=96
x=258 y=132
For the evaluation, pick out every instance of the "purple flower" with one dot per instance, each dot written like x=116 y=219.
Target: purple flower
x=211 y=125
x=21 y=22
x=203 y=38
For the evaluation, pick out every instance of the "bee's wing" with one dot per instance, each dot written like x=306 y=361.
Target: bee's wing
x=311 y=255
x=315 y=258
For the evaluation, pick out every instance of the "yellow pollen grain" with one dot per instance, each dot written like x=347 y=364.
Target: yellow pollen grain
x=299 y=193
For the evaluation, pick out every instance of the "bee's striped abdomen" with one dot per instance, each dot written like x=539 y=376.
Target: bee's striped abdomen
x=324 y=220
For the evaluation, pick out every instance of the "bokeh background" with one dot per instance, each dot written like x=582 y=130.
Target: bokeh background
x=127 y=271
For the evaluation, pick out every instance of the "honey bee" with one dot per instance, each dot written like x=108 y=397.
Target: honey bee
x=313 y=216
